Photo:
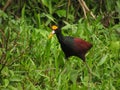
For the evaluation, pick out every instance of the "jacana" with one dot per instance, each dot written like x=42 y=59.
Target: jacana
x=71 y=46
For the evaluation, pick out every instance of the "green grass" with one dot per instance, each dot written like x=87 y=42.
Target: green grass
x=34 y=62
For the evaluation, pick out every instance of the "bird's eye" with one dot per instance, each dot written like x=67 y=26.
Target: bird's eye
x=54 y=27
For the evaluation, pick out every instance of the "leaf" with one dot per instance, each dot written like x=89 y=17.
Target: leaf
x=3 y=14
x=12 y=88
x=5 y=71
x=115 y=45
x=15 y=79
x=118 y=6
x=23 y=12
x=6 y=82
x=44 y=33
x=74 y=75
x=49 y=16
x=45 y=2
x=61 y=13
x=103 y=59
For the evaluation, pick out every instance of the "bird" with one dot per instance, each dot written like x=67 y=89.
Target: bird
x=71 y=46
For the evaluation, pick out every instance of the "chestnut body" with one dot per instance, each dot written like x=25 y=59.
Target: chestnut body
x=72 y=46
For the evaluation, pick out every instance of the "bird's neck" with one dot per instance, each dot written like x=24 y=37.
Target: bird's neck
x=60 y=36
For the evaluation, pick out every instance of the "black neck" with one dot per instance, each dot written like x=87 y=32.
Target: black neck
x=59 y=36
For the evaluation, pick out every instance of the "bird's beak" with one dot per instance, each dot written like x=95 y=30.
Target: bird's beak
x=51 y=34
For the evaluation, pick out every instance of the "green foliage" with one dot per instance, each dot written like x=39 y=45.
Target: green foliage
x=31 y=61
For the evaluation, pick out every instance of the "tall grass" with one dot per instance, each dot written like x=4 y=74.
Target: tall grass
x=31 y=61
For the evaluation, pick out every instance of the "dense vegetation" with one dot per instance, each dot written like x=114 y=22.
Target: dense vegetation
x=31 y=61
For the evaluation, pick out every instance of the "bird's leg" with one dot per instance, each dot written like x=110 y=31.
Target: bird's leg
x=90 y=74
x=88 y=67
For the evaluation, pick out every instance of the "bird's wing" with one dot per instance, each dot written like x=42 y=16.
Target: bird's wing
x=82 y=45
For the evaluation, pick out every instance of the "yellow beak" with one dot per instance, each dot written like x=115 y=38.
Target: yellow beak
x=51 y=34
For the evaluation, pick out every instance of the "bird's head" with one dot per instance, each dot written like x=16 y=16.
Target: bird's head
x=54 y=30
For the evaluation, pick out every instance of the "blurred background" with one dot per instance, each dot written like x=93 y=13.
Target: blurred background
x=31 y=61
